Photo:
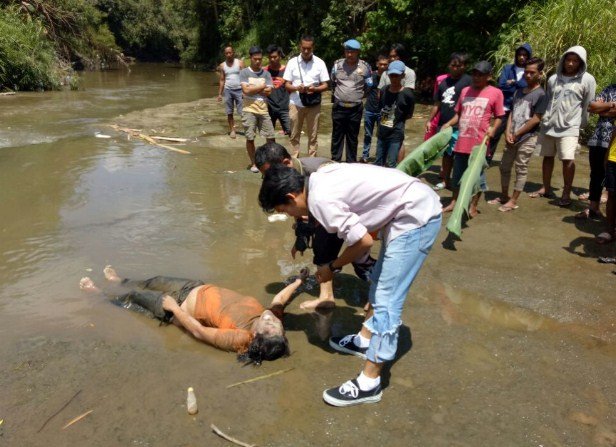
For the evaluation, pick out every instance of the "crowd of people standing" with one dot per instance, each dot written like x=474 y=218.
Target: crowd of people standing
x=531 y=119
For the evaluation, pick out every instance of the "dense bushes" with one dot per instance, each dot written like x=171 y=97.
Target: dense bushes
x=552 y=27
x=39 y=37
x=28 y=59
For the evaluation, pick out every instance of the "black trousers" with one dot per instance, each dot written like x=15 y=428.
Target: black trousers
x=326 y=247
x=596 y=157
x=281 y=115
x=148 y=294
x=345 y=129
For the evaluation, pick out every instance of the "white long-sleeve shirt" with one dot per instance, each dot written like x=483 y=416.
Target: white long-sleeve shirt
x=353 y=199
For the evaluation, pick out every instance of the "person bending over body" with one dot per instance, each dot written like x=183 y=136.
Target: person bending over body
x=325 y=246
x=219 y=317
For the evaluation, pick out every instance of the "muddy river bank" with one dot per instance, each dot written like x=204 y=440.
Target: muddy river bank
x=508 y=338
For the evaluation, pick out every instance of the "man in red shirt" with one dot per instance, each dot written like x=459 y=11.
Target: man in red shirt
x=476 y=107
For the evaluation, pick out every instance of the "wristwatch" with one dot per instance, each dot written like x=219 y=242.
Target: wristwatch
x=334 y=269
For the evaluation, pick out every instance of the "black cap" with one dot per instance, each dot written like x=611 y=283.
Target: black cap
x=483 y=67
x=255 y=50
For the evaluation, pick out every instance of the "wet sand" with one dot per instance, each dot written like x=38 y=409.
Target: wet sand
x=508 y=335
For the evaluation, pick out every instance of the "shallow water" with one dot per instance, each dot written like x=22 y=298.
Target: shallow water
x=512 y=333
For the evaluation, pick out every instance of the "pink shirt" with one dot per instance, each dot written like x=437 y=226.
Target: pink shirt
x=476 y=108
x=351 y=199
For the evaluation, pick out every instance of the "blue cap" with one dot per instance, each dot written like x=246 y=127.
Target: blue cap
x=396 y=67
x=352 y=44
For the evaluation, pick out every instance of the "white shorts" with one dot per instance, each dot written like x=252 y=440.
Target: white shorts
x=565 y=147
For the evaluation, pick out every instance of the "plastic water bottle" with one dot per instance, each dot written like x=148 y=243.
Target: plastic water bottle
x=191 y=402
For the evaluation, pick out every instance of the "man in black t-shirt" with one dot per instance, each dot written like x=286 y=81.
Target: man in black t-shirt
x=445 y=99
x=278 y=100
x=371 y=108
x=396 y=105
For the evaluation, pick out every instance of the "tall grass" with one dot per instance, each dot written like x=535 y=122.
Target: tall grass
x=552 y=26
x=28 y=59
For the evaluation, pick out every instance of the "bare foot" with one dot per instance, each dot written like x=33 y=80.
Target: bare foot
x=473 y=212
x=319 y=303
x=449 y=208
x=111 y=275
x=87 y=285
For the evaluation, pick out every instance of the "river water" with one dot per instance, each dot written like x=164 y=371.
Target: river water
x=512 y=332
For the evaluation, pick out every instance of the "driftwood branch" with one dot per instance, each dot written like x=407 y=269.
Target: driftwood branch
x=171 y=139
x=139 y=134
x=58 y=412
x=229 y=438
x=267 y=376
x=77 y=419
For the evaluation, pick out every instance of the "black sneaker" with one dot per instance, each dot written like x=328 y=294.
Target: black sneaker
x=349 y=394
x=347 y=345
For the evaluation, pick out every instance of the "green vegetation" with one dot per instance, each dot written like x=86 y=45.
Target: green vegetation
x=40 y=38
x=554 y=26
x=27 y=58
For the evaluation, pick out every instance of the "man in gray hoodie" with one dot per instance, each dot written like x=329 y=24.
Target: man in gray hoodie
x=569 y=92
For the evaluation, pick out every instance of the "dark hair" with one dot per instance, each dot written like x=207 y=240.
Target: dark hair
x=462 y=58
x=255 y=50
x=228 y=46
x=272 y=153
x=536 y=61
x=382 y=56
x=273 y=48
x=265 y=348
x=307 y=38
x=278 y=181
x=399 y=49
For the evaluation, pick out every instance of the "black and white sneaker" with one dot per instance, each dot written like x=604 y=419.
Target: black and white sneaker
x=349 y=394
x=347 y=345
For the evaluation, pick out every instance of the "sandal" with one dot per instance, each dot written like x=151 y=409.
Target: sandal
x=496 y=201
x=584 y=196
x=604 y=238
x=588 y=214
x=538 y=194
x=564 y=203
x=505 y=208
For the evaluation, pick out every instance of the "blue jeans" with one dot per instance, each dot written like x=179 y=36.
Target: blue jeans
x=387 y=152
x=370 y=119
x=394 y=272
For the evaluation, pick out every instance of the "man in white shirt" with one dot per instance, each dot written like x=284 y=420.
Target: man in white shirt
x=355 y=200
x=306 y=78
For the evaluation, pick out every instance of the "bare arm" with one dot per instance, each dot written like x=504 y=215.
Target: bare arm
x=291 y=88
x=509 y=137
x=252 y=89
x=349 y=254
x=221 y=81
x=285 y=294
x=527 y=127
x=452 y=122
x=496 y=125
x=602 y=108
x=183 y=319
x=433 y=112
x=318 y=89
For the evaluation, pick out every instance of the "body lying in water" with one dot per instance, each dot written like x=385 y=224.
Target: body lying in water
x=214 y=315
